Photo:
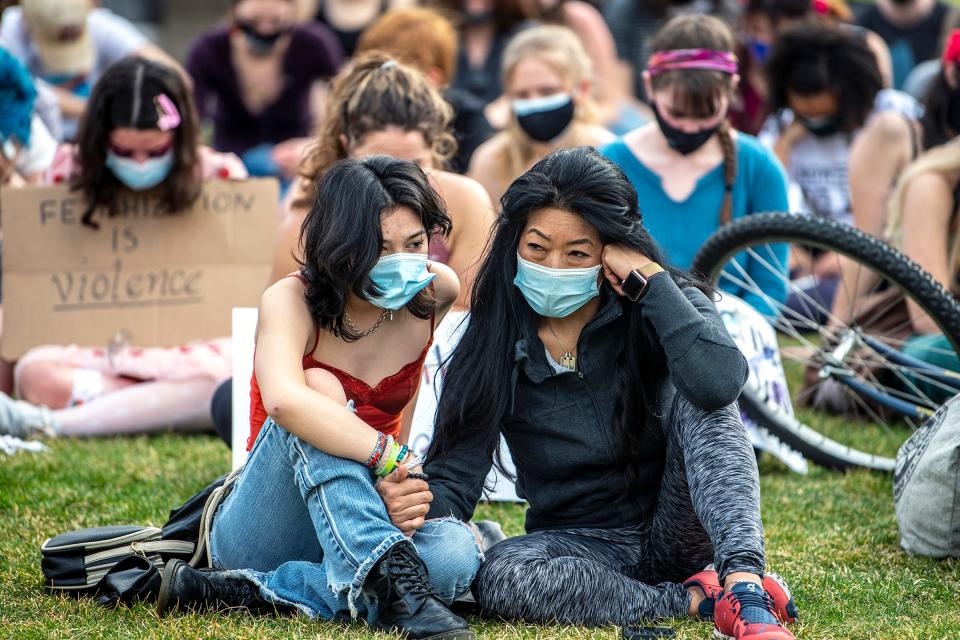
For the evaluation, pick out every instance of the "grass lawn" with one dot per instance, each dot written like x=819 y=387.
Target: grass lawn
x=832 y=535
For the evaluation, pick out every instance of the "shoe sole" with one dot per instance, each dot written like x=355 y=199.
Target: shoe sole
x=722 y=636
x=459 y=634
x=163 y=600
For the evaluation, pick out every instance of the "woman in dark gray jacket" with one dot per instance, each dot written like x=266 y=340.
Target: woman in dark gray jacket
x=614 y=383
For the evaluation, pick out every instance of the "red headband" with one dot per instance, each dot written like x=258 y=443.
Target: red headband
x=951 y=52
x=706 y=59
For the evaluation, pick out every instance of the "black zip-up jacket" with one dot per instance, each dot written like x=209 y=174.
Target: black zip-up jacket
x=560 y=428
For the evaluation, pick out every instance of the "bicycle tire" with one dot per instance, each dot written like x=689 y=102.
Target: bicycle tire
x=867 y=250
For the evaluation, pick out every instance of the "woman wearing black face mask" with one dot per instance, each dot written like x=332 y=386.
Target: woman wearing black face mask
x=692 y=172
x=253 y=79
x=842 y=137
x=547 y=78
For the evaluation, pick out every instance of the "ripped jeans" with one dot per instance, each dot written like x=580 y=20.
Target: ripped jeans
x=307 y=527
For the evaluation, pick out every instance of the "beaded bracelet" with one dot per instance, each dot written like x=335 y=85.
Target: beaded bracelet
x=377 y=451
x=403 y=453
x=385 y=458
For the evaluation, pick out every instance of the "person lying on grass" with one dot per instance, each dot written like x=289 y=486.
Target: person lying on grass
x=340 y=347
x=613 y=381
x=138 y=136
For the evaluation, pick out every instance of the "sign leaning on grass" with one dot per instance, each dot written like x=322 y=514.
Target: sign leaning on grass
x=157 y=279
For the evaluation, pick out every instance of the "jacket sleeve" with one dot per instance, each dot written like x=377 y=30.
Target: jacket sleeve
x=456 y=478
x=705 y=364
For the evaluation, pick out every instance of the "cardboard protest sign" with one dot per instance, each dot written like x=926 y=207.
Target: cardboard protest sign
x=159 y=279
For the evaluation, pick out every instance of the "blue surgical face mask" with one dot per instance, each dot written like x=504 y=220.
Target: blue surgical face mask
x=399 y=276
x=556 y=293
x=140 y=176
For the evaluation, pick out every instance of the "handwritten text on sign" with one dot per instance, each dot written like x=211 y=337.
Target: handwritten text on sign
x=163 y=278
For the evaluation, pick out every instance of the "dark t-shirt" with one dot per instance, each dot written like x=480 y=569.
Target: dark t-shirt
x=313 y=54
x=911 y=45
x=483 y=82
x=348 y=39
x=470 y=126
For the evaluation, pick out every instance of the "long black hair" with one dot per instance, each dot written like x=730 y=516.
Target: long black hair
x=476 y=393
x=340 y=239
x=813 y=58
x=941 y=104
x=124 y=97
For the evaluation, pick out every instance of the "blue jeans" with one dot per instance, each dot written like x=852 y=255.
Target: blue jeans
x=306 y=527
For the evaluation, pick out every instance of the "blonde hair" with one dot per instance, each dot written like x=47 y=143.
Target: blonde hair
x=943 y=160
x=560 y=49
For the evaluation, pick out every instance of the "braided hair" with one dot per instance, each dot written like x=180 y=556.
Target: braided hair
x=700 y=91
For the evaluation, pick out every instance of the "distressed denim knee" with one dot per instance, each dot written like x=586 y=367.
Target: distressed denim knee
x=452 y=554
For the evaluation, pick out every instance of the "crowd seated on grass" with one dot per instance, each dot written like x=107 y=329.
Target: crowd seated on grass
x=490 y=167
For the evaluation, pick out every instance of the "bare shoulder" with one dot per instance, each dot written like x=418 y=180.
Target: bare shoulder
x=488 y=166
x=931 y=186
x=283 y=296
x=887 y=126
x=460 y=191
x=487 y=154
x=583 y=17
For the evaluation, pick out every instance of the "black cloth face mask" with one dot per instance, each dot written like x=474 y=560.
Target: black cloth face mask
x=822 y=127
x=683 y=142
x=260 y=44
x=544 y=119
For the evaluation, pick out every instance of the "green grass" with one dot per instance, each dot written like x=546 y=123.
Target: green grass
x=834 y=537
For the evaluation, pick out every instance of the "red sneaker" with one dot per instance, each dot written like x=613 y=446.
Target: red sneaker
x=709 y=582
x=783 y=604
x=746 y=613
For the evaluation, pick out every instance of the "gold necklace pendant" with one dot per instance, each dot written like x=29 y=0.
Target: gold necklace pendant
x=569 y=361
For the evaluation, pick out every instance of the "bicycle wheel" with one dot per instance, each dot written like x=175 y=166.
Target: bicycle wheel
x=861 y=387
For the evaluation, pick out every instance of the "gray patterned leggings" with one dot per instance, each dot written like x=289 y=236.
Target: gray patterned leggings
x=708 y=510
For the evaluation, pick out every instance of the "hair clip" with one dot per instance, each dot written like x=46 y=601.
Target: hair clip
x=389 y=64
x=167 y=115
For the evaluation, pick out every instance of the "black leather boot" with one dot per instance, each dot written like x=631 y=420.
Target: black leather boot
x=185 y=587
x=408 y=603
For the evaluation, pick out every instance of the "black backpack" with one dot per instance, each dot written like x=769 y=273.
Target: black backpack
x=124 y=563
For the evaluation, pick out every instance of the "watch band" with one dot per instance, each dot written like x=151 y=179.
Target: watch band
x=650 y=269
x=636 y=284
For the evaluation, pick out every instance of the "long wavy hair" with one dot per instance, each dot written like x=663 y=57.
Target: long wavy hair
x=374 y=93
x=124 y=97
x=341 y=237
x=476 y=394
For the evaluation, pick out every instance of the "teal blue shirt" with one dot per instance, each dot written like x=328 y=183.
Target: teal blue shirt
x=680 y=228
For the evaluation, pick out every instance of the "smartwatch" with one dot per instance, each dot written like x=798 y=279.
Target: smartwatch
x=636 y=284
